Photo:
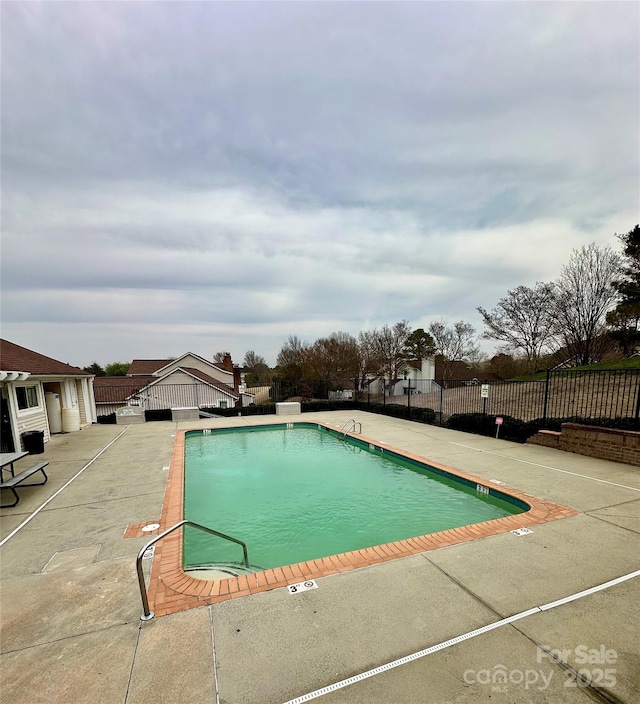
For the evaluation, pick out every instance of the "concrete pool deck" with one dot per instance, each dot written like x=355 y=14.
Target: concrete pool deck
x=70 y=605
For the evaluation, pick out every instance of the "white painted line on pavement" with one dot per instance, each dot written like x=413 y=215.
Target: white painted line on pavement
x=545 y=466
x=458 y=639
x=53 y=496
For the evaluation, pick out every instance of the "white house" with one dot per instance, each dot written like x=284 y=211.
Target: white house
x=416 y=377
x=221 y=371
x=159 y=384
x=41 y=393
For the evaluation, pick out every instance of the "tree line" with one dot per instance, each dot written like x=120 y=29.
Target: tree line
x=593 y=305
x=112 y=369
x=343 y=359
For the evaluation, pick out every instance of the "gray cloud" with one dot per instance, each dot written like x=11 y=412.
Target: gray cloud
x=226 y=174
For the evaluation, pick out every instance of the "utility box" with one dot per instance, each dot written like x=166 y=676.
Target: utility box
x=288 y=408
x=185 y=413
x=128 y=415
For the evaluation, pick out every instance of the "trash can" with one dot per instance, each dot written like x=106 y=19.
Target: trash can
x=33 y=441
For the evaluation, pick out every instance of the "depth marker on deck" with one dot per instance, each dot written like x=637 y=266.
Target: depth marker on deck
x=458 y=639
x=302 y=586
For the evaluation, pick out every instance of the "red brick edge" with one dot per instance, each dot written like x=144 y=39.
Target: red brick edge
x=172 y=590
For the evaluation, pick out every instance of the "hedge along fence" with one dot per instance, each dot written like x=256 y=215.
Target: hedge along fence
x=512 y=429
x=253 y=410
x=563 y=393
x=519 y=431
x=420 y=415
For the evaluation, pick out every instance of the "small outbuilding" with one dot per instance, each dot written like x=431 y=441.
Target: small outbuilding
x=41 y=394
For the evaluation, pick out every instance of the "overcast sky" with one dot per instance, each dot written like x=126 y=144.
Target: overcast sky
x=218 y=176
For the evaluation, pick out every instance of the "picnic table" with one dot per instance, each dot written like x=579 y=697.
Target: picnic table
x=6 y=462
x=8 y=458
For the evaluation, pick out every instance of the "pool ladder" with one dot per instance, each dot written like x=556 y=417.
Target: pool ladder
x=147 y=614
x=351 y=424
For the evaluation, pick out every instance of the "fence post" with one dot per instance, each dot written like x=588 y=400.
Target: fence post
x=441 y=395
x=409 y=399
x=546 y=399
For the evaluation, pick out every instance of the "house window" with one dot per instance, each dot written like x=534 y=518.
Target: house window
x=27 y=397
x=223 y=404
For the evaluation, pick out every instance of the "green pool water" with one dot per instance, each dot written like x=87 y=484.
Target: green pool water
x=303 y=492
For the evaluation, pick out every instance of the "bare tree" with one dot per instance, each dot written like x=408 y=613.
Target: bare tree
x=369 y=362
x=219 y=357
x=335 y=358
x=523 y=320
x=251 y=359
x=258 y=371
x=292 y=358
x=389 y=348
x=585 y=291
x=454 y=343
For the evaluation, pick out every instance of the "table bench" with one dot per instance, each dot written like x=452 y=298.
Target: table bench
x=12 y=483
x=8 y=458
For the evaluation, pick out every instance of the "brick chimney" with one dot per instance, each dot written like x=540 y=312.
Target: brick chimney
x=236 y=378
x=227 y=364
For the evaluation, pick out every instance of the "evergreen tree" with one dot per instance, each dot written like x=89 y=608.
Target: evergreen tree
x=625 y=318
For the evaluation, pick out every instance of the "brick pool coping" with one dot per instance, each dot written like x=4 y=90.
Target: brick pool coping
x=171 y=589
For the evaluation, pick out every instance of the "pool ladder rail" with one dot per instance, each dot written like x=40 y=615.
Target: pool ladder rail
x=351 y=424
x=147 y=614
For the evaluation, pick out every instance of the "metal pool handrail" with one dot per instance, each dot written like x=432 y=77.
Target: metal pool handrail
x=147 y=614
x=354 y=424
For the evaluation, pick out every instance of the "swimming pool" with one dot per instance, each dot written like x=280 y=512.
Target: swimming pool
x=172 y=589
x=299 y=492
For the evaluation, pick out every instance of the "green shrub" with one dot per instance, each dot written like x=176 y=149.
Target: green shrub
x=481 y=424
x=109 y=419
x=253 y=410
x=314 y=406
x=262 y=409
x=618 y=423
x=395 y=410
x=519 y=430
x=164 y=414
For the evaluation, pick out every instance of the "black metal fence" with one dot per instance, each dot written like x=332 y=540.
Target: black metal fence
x=568 y=393
x=159 y=398
x=561 y=394
x=611 y=393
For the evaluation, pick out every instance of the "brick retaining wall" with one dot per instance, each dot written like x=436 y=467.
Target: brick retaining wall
x=593 y=441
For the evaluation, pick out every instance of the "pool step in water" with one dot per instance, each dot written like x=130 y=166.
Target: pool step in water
x=222 y=570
